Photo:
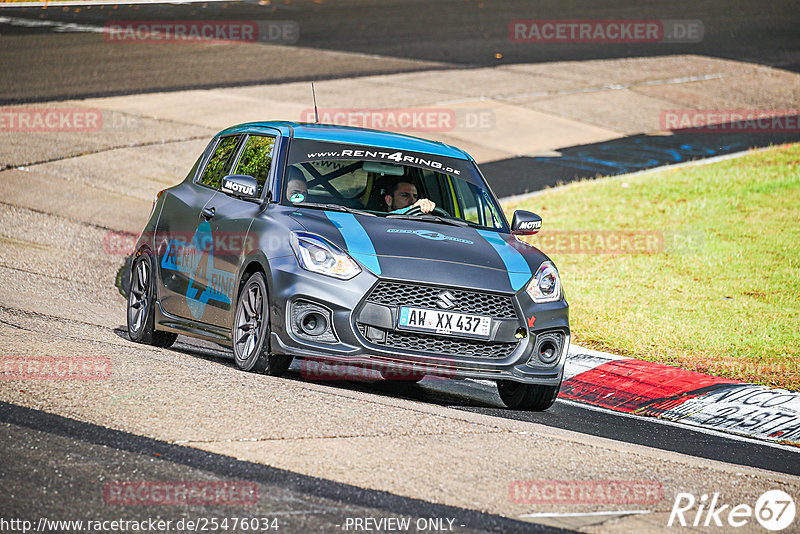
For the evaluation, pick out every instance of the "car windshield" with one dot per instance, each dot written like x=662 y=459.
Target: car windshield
x=374 y=181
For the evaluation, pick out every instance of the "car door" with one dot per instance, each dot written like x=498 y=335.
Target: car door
x=185 y=234
x=230 y=225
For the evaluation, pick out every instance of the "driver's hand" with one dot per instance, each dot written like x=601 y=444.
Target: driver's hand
x=425 y=205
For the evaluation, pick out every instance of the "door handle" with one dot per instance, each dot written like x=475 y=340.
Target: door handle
x=208 y=213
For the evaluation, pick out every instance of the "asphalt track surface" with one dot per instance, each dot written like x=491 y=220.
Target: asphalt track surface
x=48 y=63
x=348 y=38
x=60 y=462
x=480 y=398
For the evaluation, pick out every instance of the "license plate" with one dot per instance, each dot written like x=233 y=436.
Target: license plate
x=444 y=322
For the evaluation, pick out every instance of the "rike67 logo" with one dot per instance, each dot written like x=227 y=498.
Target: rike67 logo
x=774 y=510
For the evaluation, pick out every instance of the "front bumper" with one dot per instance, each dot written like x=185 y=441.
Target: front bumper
x=357 y=325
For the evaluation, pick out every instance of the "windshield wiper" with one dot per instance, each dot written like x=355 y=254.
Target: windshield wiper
x=336 y=207
x=428 y=218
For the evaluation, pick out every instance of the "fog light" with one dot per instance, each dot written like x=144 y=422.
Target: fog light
x=547 y=349
x=548 y=352
x=312 y=323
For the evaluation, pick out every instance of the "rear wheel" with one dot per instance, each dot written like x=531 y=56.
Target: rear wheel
x=141 y=305
x=251 y=331
x=531 y=397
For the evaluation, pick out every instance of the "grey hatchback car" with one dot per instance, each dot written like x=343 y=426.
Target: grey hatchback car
x=361 y=247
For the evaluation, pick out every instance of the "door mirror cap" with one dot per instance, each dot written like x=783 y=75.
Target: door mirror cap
x=240 y=185
x=525 y=223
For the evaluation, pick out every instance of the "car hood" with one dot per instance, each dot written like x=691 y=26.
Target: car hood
x=429 y=252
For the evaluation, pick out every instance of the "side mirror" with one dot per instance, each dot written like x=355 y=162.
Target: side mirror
x=525 y=223
x=240 y=185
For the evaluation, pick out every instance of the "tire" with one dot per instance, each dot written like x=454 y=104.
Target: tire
x=250 y=333
x=142 y=304
x=530 y=397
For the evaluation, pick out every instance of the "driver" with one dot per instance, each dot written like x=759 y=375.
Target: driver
x=403 y=196
x=296 y=187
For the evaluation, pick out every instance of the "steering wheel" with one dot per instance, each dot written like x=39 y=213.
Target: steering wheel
x=416 y=210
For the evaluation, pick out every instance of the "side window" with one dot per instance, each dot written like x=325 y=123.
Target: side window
x=476 y=205
x=467 y=202
x=341 y=182
x=197 y=164
x=435 y=186
x=490 y=216
x=256 y=159
x=219 y=161
x=193 y=172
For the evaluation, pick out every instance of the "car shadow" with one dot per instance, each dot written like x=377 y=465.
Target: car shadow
x=199 y=348
x=432 y=390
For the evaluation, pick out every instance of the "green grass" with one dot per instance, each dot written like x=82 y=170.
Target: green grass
x=717 y=287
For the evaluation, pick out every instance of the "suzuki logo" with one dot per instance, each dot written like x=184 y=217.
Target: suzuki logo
x=446 y=300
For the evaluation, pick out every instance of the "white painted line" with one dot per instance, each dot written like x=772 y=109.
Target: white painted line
x=694 y=163
x=71 y=3
x=586 y=514
x=580 y=360
x=686 y=79
x=58 y=25
x=667 y=422
x=578 y=349
x=72 y=27
x=699 y=162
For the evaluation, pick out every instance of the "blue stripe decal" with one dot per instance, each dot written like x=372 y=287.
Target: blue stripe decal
x=356 y=239
x=519 y=272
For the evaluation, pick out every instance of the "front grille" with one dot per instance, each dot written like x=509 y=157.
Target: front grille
x=435 y=345
x=422 y=296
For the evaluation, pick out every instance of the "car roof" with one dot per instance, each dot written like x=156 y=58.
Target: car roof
x=332 y=133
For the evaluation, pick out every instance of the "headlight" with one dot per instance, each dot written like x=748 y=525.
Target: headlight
x=545 y=286
x=317 y=255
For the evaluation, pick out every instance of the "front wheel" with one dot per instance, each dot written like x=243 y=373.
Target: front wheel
x=141 y=305
x=531 y=397
x=251 y=331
